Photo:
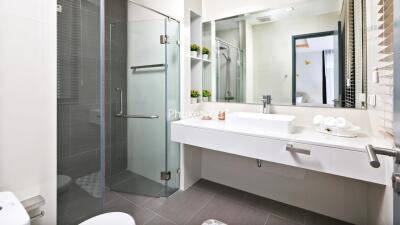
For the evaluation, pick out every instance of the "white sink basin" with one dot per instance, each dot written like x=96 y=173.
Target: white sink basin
x=260 y=122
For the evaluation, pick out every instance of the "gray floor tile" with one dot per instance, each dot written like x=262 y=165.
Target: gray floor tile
x=76 y=205
x=139 y=185
x=109 y=195
x=137 y=199
x=288 y=212
x=121 y=177
x=160 y=221
x=218 y=189
x=205 y=200
x=318 y=219
x=231 y=211
x=141 y=215
x=181 y=206
x=276 y=220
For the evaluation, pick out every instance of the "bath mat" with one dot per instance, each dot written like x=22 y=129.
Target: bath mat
x=213 y=222
x=91 y=184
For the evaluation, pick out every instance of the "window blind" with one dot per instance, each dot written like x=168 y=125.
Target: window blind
x=385 y=61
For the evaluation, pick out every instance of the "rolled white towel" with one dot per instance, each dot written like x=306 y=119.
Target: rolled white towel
x=318 y=120
x=341 y=123
x=329 y=121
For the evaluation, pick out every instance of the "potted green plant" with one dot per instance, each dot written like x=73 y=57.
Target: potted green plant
x=194 y=50
x=206 y=53
x=206 y=95
x=194 y=94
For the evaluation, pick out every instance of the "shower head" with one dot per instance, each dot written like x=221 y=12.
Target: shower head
x=228 y=59
x=222 y=48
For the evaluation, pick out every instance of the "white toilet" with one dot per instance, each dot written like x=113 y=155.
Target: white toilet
x=13 y=213
x=110 y=218
x=11 y=210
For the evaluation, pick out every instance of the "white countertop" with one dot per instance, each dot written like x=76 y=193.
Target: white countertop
x=306 y=135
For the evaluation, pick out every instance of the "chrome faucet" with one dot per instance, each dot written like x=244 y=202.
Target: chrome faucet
x=266 y=100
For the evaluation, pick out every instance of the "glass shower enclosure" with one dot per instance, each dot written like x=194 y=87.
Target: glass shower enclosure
x=118 y=91
x=144 y=101
x=230 y=72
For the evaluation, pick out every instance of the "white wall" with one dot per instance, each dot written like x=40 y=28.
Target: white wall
x=28 y=101
x=272 y=54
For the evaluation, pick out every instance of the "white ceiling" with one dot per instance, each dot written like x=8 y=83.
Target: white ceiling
x=300 y=8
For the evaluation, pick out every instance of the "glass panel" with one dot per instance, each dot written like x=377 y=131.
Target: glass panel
x=230 y=73
x=138 y=145
x=173 y=102
x=78 y=111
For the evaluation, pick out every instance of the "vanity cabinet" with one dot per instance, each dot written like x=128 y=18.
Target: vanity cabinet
x=289 y=149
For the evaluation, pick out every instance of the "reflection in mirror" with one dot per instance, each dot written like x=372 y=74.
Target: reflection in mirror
x=308 y=53
x=315 y=63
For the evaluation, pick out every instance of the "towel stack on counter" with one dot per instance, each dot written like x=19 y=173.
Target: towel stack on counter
x=335 y=126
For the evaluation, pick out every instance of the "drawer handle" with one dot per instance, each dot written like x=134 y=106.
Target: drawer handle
x=290 y=148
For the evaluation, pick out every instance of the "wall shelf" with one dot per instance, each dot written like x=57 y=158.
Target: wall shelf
x=195 y=58
x=196 y=65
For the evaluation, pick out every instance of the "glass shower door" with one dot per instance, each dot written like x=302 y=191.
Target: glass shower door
x=140 y=99
x=172 y=59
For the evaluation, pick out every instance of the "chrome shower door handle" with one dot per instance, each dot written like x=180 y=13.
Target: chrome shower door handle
x=121 y=113
x=137 y=116
x=121 y=99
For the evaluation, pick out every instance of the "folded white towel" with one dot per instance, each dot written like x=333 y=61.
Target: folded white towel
x=329 y=121
x=341 y=123
x=318 y=119
x=337 y=126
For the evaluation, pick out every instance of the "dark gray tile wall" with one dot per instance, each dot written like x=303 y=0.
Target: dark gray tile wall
x=78 y=130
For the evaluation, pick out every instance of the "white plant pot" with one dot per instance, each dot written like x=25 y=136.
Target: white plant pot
x=193 y=100
x=193 y=53
x=205 y=56
x=205 y=99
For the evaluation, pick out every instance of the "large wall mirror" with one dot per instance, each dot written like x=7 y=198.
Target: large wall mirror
x=308 y=53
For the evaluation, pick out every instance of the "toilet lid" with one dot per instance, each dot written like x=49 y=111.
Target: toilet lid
x=110 y=218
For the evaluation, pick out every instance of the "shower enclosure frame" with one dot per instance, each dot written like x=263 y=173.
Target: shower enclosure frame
x=166 y=39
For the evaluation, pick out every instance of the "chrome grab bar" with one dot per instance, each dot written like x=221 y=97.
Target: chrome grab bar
x=134 y=68
x=292 y=149
x=121 y=113
x=373 y=151
x=137 y=116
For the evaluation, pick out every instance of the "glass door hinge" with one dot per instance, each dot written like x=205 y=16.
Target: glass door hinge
x=164 y=39
x=166 y=175
x=396 y=182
